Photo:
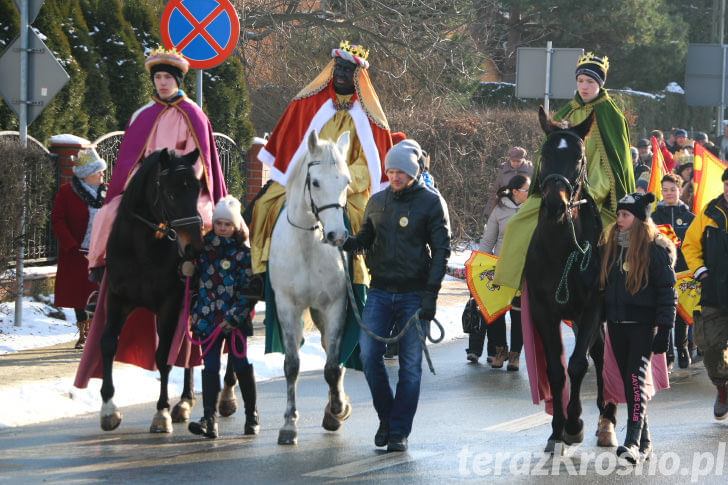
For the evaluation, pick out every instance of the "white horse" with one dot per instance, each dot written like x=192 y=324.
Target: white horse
x=306 y=271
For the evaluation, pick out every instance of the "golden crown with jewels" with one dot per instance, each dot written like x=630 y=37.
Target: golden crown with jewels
x=590 y=58
x=160 y=55
x=354 y=49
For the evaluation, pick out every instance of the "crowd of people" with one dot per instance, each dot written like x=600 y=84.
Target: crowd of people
x=401 y=236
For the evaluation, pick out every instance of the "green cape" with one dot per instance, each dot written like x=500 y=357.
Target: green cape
x=614 y=132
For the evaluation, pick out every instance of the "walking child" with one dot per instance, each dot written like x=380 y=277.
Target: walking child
x=222 y=313
x=638 y=280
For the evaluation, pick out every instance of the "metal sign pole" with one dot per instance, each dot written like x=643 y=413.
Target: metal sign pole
x=23 y=131
x=547 y=90
x=198 y=88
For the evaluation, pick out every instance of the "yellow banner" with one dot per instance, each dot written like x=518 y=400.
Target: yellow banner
x=688 y=295
x=493 y=300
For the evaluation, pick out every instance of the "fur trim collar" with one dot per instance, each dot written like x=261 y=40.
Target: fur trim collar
x=664 y=242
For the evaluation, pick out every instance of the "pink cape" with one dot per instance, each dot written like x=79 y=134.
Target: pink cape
x=613 y=386
x=137 y=343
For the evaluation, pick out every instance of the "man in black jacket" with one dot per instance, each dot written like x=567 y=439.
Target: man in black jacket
x=406 y=236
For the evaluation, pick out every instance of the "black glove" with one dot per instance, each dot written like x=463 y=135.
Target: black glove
x=660 y=343
x=428 y=305
x=350 y=245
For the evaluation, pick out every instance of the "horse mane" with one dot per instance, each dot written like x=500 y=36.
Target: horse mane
x=135 y=191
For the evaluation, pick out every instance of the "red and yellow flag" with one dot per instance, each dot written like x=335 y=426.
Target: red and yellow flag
x=707 y=171
x=688 y=295
x=657 y=171
x=667 y=231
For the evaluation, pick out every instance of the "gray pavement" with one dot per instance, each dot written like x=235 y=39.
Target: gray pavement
x=474 y=424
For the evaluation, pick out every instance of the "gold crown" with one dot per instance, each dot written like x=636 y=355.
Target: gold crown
x=354 y=49
x=160 y=55
x=590 y=58
x=161 y=50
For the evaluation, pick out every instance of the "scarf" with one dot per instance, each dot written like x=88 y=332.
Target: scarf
x=86 y=193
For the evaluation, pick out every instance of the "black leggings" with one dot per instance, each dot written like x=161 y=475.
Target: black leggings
x=632 y=347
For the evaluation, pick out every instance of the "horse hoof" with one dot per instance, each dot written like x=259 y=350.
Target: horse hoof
x=555 y=447
x=228 y=404
x=332 y=422
x=287 y=437
x=606 y=437
x=162 y=422
x=181 y=411
x=110 y=416
x=577 y=437
x=111 y=422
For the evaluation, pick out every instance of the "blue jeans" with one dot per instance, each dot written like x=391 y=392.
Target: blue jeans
x=381 y=311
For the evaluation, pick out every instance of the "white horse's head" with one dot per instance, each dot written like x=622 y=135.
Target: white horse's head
x=318 y=185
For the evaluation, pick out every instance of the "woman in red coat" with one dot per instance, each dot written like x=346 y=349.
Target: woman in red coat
x=74 y=209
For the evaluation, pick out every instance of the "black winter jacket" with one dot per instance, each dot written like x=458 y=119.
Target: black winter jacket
x=654 y=304
x=406 y=236
x=715 y=256
x=679 y=217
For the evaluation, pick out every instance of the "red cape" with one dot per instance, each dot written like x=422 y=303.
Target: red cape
x=287 y=141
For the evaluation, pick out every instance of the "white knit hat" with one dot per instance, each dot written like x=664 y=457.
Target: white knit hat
x=87 y=162
x=228 y=208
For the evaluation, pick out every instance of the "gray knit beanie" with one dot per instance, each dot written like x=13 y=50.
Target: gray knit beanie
x=404 y=156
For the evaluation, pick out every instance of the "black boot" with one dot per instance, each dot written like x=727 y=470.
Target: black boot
x=207 y=425
x=630 y=450
x=645 y=443
x=248 y=389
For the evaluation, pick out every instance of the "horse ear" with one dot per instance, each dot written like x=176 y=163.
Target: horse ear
x=312 y=141
x=583 y=128
x=164 y=158
x=192 y=157
x=547 y=125
x=343 y=143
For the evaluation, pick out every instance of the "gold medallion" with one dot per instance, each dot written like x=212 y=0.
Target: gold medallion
x=225 y=264
x=403 y=221
x=625 y=266
x=678 y=222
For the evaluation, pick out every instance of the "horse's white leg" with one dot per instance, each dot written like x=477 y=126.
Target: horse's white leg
x=333 y=320
x=292 y=333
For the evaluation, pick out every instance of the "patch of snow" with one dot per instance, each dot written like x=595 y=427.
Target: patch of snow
x=674 y=87
x=39 y=34
x=68 y=139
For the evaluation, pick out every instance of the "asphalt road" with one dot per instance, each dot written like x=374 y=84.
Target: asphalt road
x=474 y=424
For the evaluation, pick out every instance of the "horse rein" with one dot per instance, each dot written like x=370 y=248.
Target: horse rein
x=316 y=210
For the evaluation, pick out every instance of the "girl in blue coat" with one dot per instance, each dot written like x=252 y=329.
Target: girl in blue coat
x=221 y=312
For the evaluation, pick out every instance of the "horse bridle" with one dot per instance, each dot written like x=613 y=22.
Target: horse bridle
x=167 y=227
x=573 y=192
x=316 y=210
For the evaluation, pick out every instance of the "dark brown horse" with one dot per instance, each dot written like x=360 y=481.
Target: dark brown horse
x=157 y=223
x=561 y=272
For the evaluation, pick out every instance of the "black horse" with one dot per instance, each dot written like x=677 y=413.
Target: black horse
x=561 y=273
x=157 y=223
